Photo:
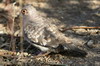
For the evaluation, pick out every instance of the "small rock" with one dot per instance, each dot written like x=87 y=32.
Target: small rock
x=90 y=43
x=2 y=39
x=25 y=54
x=1 y=32
x=81 y=31
x=92 y=32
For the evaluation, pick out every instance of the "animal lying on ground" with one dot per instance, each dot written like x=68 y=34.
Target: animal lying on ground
x=39 y=32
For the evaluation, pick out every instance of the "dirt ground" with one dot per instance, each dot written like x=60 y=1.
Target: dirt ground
x=64 y=14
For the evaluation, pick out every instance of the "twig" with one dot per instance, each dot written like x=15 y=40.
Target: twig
x=21 y=28
x=7 y=53
x=70 y=28
x=42 y=55
x=57 y=64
